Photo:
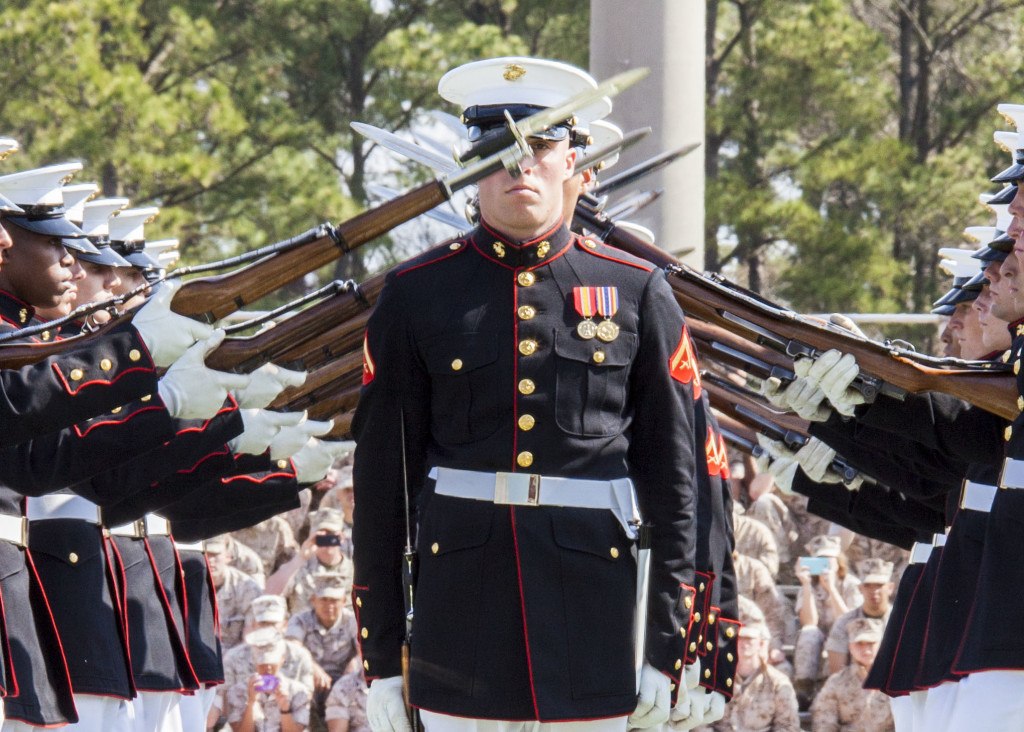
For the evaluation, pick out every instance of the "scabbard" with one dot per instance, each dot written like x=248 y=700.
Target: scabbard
x=643 y=584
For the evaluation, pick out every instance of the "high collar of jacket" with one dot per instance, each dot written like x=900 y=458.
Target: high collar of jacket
x=516 y=254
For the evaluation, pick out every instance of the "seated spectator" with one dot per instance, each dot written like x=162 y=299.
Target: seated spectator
x=346 y=704
x=767 y=507
x=342 y=498
x=843 y=704
x=235 y=590
x=754 y=581
x=858 y=547
x=329 y=631
x=763 y=698
x=266 y=699
x=754 y=539
x=242 y=557
x=876 y=587
x=272 y=540
x=268 y=611
x=321 y=552
x=823 y=598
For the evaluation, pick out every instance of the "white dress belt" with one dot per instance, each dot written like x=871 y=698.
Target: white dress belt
x=1012 y=474
x=977 y=496
x=531 y=489
x=195 y=546
x=920 y=552
x=62 y=506
x=939 y=540
x=14 y=529
x=149 y=525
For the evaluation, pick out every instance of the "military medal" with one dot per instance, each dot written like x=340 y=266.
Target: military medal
x=607 y=305
x=585 y=300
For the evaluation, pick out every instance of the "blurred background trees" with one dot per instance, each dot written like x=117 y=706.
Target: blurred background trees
x=847 y=140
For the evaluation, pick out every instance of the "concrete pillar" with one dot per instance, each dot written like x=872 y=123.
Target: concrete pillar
x=667 y=36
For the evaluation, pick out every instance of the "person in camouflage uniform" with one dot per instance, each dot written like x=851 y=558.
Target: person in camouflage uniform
x=327 y=556
x=342 y=498
x=822 y=599
x=329 y=631
x=754 y=581
x=236 y=592
x=763 y=699
x=843 y=704
x=346 y=704
x=241 y=557
x=876 y=587
x=268 y=611
x=252 y=705
x=272 y=539
x=754 y=539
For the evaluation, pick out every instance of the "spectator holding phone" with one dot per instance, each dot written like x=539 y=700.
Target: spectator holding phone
x=321 y=553
x=267 y=701
x=827 y=591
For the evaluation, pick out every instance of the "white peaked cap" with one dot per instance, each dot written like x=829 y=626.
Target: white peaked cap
x=129 y=224
x=96 y=213
x=8 y=145
x=962 y=264
x=521 y=80
x=164 y=251
x=1008 y=141
x=38 y=187
x=75 y=197
x=1012 y=113
x=979 y=234
x=1003 y=215
x=604 y=134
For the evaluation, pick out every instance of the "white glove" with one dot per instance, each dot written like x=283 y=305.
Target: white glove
x=267 y=382
x=260 y=428
x=688 y=711
x=816 y=457
x=292 y=439
x=782 y=466
x=716 y=707
x=808 y=400
x=167 y=335
x=385 y=707
x=190 y=390
x=652 y=706
x=771 y=389
x=316 y=458
x=834 y=371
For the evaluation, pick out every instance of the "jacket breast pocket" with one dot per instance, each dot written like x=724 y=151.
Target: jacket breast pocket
x=463 y=370
x=591 y=383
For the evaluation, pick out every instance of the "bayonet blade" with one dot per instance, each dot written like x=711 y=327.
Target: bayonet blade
x=645 y=168
x=410 y=150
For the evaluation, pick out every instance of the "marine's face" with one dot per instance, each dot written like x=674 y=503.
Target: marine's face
x=531 y=204
x=863 y=652
x=39 y=270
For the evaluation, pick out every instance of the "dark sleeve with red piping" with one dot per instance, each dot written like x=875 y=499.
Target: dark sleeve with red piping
x=52 y=461
x=234 y=502
x=149 y=482
x=662 y=462
x=102 y=374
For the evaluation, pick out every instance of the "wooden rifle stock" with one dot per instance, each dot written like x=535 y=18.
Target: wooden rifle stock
x=727 y=422
x=246 y=354
x=343 y=400
x=750 y=317
x=320 y=382
x=212 y=298
x=329 y=345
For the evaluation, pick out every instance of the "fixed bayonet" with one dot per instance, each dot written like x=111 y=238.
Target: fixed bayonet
x=411 y=150
x=631 y=175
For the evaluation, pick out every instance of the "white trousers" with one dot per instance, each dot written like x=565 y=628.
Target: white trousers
x=95 y=714
x=989 y=700
x=195 y=708
x=938 y=706
x=434 y=722
x=157 y=711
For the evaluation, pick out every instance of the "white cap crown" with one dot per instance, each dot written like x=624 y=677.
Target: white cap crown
x=38 y=187
x=129 y=224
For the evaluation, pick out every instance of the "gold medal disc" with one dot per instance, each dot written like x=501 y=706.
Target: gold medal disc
x=587 y=329
x=607 y=331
